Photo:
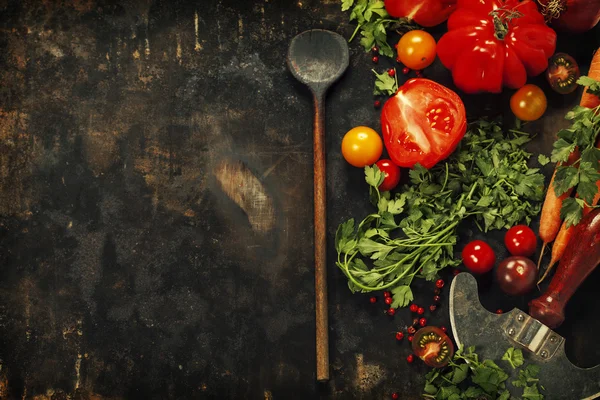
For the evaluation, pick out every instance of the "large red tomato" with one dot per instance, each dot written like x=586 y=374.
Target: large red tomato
x=495 y=43
x=423 y=12
x=422 y=123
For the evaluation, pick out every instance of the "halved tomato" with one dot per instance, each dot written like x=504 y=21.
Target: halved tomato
x=433 y=346
x=422 y=123
x=424 y=12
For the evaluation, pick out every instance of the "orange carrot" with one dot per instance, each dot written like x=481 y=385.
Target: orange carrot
x=587 y=99
x=564 y=236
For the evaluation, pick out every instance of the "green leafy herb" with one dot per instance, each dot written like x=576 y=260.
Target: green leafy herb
x=592 y=84
x=373 y=23
x=385 y=84
x=468 y=377
x=543 y=160
x=514 y=357
x=413 y=233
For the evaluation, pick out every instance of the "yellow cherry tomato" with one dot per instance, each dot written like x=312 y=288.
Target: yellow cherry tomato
x=528 y=103
x=416 y=49
x=362 y=146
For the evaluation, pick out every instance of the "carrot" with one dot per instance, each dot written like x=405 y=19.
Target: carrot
x=587 y=99
x=550 y=221
x=564 y=236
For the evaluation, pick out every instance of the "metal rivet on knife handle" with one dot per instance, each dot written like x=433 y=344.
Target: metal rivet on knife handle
x=520 y=317
x=544 y=354
x=511 y=331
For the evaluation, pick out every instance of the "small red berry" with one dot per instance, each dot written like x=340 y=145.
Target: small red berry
x=432 y=307
x=410 y=338
x=421 y=311
x=398 y=60
x=418 y=74
x=406 y=70
x=437 y=292
x=387 y=294
x=413 y=307
x=395 y=45
x=373 y=300
x=439 y=283
x=437 y=298
x=499 y=311
x=388 y=300
x=395 y=396
x=391 y=311
x=377 y=104
x=422 y=322
x=443 y=328
x=410 y=358
x=399 y=335
x=375 y=49
x=391 y=72
x=375 y=59
x=455 y=271
x=411 y=330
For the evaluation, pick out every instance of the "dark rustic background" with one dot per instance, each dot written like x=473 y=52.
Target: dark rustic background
x=156 y=206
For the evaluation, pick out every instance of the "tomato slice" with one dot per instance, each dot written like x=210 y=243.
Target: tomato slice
x=433 y=346
x=422 y=123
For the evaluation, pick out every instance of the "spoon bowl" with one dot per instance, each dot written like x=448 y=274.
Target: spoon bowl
x=318 y=58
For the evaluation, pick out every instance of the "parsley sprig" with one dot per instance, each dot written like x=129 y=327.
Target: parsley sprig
x=582 y=174
x=413 y=233
x=466 y=377
x=385 y=84
x=373 y=23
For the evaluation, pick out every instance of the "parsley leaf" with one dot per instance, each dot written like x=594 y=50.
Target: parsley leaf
x=566 y=177
x=571 y=211
x=543 y=160
x=592 y=84
x=374 y=176
x=346 y=4
x=385 y=84
x=402 y=296
x=514 y=357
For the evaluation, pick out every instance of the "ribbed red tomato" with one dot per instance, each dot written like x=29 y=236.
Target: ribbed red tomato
x=422 y=123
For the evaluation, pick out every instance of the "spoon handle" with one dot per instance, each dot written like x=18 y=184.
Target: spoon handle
x=320 y=179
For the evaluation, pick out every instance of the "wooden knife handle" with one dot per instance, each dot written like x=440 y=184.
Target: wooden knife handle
x=579 y=260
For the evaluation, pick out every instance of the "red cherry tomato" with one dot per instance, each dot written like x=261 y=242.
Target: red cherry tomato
x=433 y=346
x=516 y=275
x=391 y=172
x=520 y=240
x=422 y=123
x=478 y=257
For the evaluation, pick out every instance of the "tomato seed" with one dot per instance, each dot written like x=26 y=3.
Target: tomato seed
x=377 y=104
x=411 y=330
x=395 y=396
x=410 y=338
x=399 y=335
x=499 y=311
x=443 y=328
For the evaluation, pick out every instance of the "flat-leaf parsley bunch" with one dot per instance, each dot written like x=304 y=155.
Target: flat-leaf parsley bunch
x=413 y=233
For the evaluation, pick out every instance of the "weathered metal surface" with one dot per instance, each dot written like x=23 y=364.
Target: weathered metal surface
x=493 y=334
x=156 y=206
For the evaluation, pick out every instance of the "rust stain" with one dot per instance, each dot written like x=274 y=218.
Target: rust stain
x=16 y=147
x=100 y=150
x=367 y=375
x=244 y=188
